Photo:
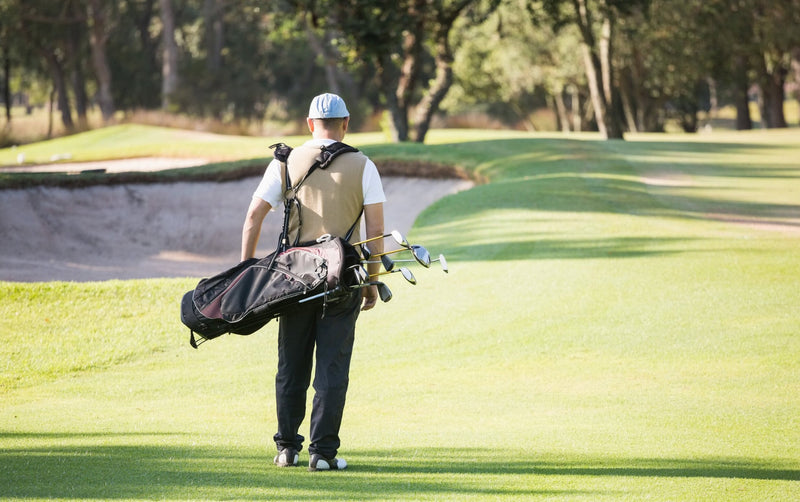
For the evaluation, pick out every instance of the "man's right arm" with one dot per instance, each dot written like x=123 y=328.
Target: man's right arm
x=251 y=230
x=373 y=221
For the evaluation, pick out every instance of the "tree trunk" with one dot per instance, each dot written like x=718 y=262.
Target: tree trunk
x=433 y=98
x=444 y=68
x=7 y=86
x=74 y=54
x=98 y=36
x=613 y=119
x=744 y=121
x=773 y=94
x=412 y=54
x=398 y=122
x=795 y=66
x=81 y=100
x=50 y=112
x=169 y=65
x=561 y=110
x=214 y=33
x=630 y=115
x=441 y=83
x=598 y=103
x=78 y=82
x=599 y=70
x=575 y=108
x=60 y=83
x=330 y=62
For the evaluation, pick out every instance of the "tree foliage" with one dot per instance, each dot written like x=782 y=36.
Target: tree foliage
x=613 y=65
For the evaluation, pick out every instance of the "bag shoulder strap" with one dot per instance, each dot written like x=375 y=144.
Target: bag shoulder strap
x=327 y=155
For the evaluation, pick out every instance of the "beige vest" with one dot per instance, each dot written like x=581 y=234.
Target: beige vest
x=330 y=199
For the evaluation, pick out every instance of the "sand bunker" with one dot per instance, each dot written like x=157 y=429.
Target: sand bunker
x=155 y=230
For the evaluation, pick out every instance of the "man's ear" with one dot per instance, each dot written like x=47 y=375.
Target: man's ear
x=310 y=123
x=345 y=122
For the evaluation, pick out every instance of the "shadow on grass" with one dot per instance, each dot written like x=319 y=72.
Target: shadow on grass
x=86 y=470
x=563 y=249
x=575 y=180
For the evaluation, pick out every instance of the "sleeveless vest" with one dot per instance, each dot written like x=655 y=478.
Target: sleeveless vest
x=331 y=199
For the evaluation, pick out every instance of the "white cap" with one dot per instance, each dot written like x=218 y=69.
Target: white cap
x=327 y=106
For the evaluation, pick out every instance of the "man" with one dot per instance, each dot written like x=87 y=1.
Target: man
x=331 y=202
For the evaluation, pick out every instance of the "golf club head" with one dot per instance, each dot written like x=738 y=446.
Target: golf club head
x=388 y=263
x=384 y=292
x=421 y=255
x=443 y=263
x=408 y=275
x=361 y=274
x=399 y=238
x=365 y=252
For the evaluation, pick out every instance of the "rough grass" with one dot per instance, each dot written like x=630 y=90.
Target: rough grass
x=619 y=323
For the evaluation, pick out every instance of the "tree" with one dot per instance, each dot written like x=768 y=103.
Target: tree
x=48 y=36
x=775 y=47
x=97 y=15
x=510 y=66
x=169 y=63
x=8 y=14
x=213 y=20
x=399 y=38
x=597 y=22
x=445 y=15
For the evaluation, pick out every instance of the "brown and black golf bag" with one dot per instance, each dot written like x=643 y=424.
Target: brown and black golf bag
x=247 y=296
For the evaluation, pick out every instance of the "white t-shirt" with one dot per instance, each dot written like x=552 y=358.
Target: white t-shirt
x=270 y=189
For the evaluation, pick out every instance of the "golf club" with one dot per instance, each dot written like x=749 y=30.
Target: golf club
x=361 y=273
x=441 y=259
x=421 y=254
x=407 y=275
x=383 y=291
x=394 y=234
x=388 y=263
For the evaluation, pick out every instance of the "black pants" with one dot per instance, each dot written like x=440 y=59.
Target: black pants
x=333 y=336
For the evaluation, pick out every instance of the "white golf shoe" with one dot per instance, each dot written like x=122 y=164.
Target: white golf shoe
x=319 y=463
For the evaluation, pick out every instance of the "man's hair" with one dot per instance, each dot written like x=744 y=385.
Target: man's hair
x=330 y=124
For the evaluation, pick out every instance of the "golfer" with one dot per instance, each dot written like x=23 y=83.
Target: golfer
x=331 y=202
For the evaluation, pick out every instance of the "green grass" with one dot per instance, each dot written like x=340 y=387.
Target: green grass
x=620 y=323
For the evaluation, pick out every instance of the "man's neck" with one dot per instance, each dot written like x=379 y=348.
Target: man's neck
x=327 y=135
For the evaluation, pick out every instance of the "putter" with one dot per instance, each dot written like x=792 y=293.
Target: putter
x=407 y=275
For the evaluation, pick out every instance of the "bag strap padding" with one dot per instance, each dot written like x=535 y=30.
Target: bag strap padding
x=327 y=155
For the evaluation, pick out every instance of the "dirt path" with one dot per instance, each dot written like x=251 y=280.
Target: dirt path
x=154 y=230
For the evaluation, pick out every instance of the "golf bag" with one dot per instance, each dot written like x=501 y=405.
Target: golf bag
x=244 y=298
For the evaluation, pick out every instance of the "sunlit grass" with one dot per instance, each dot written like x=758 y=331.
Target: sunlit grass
x=619 y=323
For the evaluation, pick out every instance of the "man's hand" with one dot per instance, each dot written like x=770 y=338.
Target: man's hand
x=370 y=297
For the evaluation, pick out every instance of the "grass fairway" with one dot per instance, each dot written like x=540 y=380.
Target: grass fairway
x=620 y=323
